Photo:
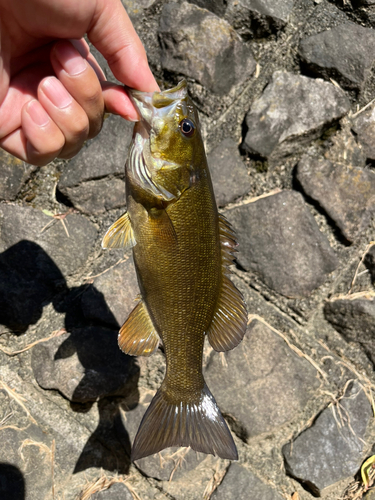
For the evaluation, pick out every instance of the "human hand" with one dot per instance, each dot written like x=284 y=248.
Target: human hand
x=53 y=93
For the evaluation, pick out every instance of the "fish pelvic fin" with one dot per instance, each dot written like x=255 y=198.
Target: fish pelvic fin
x=229 y=321
x=120 y=234
x=197 y=424
x=138 y=336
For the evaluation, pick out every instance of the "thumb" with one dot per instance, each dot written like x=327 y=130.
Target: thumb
x=113 y=34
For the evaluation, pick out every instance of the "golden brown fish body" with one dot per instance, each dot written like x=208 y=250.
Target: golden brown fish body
x=181 y=248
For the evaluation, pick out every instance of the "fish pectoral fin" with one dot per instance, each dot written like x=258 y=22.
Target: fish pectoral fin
x=138 y=336
x=229 y=321
x=198 y=424
x=120 y=234
x=162 y=227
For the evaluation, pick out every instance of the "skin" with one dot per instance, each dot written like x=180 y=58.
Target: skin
x=53 y=94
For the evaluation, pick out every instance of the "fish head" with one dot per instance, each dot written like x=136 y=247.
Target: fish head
x=167 y=144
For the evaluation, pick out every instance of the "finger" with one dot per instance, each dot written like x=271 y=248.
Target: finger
x=113 y=34
x=66 y=113
x=44 y=138
x=117 y=101
x=80 y=80
x=83 y=48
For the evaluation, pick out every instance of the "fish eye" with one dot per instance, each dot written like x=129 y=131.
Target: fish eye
x=187 y=127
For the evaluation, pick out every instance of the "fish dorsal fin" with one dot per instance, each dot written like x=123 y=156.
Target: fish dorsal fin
x=120 y=234
x=138 y=336
x=229 y=321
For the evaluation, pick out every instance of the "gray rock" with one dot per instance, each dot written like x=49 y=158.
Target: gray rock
x=112 y=296
x=118 y=491
x=332 y=449
x=13 y=174
x=216 y=6
x=95 y=197
x=200 y=45
x=171 y=462
x=228 y=172
x=355 y=320
x=242 y=484
x=281 y=242
x=364 y=127
x=370 y=262
x=136 y=8
x=347 y=194
x=83 y=365
x=262 y=384
x=25 y=467
x=18 y=224
x=345 y=53
x=292 y=111
x=102 y=156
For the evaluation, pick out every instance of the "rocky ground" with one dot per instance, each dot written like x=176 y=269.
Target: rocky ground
x=285 y=91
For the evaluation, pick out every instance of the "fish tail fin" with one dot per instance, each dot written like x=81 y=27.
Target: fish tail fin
x=197 y=424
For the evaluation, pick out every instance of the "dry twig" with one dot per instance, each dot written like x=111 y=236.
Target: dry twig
x=56 y=333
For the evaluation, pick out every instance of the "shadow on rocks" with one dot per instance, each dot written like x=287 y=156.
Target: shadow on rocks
x=85 y=364
x=12 y=484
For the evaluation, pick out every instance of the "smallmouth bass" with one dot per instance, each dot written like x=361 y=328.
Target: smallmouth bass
x=182 y=248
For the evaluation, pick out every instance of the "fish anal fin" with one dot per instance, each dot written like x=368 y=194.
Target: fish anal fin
x=138 y=336
x=198 y=424
x=120 y=234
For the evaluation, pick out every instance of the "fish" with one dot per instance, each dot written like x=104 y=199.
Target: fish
x=182 y=249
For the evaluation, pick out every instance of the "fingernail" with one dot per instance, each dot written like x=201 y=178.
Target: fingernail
x=56 y=92
x=70 y=59
x=37 y=113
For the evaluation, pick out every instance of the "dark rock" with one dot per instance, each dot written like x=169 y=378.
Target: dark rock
x=171 y=462
x=242 y=484
x=292 y=111
x=112 y=296
x=25 y=463
x=331 y=450
x=262 y=384
x=347 y=194
x=281 y=242
x=370 y=262
x=105 y=155
x=228 y=172
x=188 y=34
x=18 y=224
x=355 y=320
x=83 y=365
x=345 y=53
x=216 y=6
x=13 y=174
x=364 y=127
x=94 y=197
x=118 y=491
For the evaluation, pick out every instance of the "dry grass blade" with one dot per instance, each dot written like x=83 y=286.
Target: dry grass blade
x=179 y=458
x=120 y=261
x=214 y=482
x=103 y=483
x=294 y=348
x=371 y=244
x=41 y=446
x=56 y=333
x=17 y=398
x=363 y=109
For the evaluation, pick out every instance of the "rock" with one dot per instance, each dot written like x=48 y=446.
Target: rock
x=370 y=262
x=228 y=172
x=118 y=491
x=364 y=127
x=262 y=384
x=331 y=450
x=18 y=224
x=13 y=175
x=136 y=8
x=216 y=6
x=345 y=53
x=346 y=194
x=83 y=365
x=241 y=484
x=280 y=241
x=103 y=156
x=112 y=296
x=200 y=45
x=27 y=467
x=292 y=111
x=171 y=462
x=95 y=197
x=355 y=320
